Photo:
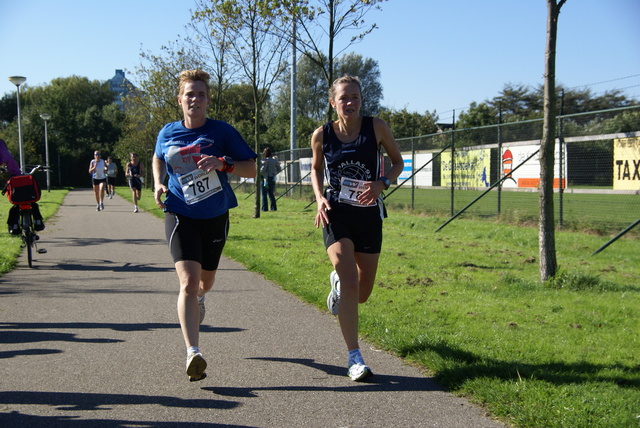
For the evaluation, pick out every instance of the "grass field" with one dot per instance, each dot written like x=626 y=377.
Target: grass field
x=11 y=245
x=595 y=212
x=466 y=305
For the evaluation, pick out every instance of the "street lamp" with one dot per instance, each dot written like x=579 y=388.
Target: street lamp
x=45 y=117
x=19 y=80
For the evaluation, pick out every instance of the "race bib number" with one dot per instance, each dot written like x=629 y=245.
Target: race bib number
x=350 y=189
x=198 y=185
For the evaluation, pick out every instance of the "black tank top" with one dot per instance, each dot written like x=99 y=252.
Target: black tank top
x=359 y=159
x=134 y=169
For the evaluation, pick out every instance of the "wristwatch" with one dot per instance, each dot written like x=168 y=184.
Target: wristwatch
x=228 y=163
x=386 y=182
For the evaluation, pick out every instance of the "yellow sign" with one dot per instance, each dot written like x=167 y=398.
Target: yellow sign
x=471 y=168
x=626 y=164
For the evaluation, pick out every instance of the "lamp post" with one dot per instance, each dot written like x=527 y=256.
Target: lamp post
x=19 y=80
x=45 y=117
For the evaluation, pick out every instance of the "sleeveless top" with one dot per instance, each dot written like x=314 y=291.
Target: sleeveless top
x=99 y=173
x=134 y=170
x=359 y=159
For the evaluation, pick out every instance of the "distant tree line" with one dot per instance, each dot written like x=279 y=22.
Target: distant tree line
x=251 y=87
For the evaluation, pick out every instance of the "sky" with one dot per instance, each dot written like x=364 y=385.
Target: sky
x=433 y=55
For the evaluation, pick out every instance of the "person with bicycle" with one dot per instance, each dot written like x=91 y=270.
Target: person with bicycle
x=9 y=164
x=197 y=153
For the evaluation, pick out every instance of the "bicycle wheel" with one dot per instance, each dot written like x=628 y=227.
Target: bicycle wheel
x=28 y=236
x=29 y=242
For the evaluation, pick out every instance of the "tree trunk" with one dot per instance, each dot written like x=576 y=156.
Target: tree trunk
x=546 y=235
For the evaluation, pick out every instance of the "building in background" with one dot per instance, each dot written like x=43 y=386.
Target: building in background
x=121 y=87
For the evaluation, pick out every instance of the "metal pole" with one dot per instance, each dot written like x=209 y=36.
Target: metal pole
x=46 y=117
x=19 y=80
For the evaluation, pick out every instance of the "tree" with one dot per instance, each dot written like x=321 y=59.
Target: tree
x=312 y=96
x=256 y=46
x=546 y=235
x=330 y=19
x=154 y=103
x=215 y=38
x=83 y=118
x=405 y=124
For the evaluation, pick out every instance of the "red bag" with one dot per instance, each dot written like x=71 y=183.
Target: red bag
x=23 y=189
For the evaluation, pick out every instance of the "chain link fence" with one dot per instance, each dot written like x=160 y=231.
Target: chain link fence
x=493 y=171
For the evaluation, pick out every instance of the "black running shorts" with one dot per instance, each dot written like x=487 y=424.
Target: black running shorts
x=366 y=235
x=199 y=240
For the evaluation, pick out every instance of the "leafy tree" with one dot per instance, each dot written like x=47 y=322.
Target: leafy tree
x=312 y=96
x=214 y=38
x=256 y=46
x=405 y=124
x=83 y=118
x=329 y=18
x=154 y=103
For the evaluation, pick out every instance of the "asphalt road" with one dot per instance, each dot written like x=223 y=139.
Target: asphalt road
x=90 y=337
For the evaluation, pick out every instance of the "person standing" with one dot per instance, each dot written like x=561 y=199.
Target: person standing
x=269 y=169
x=197 y=154
x=351 y=210
x=97 y=169
x=112 y=175
x=134 y=173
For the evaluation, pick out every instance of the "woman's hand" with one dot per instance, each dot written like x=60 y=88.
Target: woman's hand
x=372 y=193
x=210 y=163
x=157 y=195
x=322 y=217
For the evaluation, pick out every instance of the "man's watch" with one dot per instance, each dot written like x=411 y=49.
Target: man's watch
x=386 y=182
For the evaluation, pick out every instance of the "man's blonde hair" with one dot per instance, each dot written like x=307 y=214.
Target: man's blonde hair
x=193 y=76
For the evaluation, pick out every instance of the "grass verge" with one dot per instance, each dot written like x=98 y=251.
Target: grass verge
x=12 y=245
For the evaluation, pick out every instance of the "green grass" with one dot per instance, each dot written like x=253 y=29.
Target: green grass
x=11 y=246
x=466 y=304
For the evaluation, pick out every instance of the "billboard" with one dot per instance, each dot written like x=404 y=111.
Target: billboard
x=472 y=168
x=626 y=163
x=424 y=176
x=528 y=174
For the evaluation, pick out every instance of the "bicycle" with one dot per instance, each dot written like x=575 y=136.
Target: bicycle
x=23 y=190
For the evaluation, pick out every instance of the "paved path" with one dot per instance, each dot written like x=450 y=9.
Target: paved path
x=89 y=337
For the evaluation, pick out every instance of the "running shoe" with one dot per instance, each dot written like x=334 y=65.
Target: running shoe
x=203 y=310
x=333 y=299
x=196 y=366
x=135 y=210
x=101 y=205
x=98 y=207
x=359 y=372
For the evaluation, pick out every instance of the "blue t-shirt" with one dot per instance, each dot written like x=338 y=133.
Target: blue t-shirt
x=181 y=149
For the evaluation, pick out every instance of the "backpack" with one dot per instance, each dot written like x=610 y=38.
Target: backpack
x=22 y=189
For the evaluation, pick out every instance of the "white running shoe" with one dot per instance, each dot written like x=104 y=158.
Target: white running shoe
x=333 y=299
x=203 y=310
x=359 y=372
x=196 y=366
x=135 y=210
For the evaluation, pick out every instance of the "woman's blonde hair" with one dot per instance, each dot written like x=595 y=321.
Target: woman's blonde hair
x=342 y=80
x=193 y=76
